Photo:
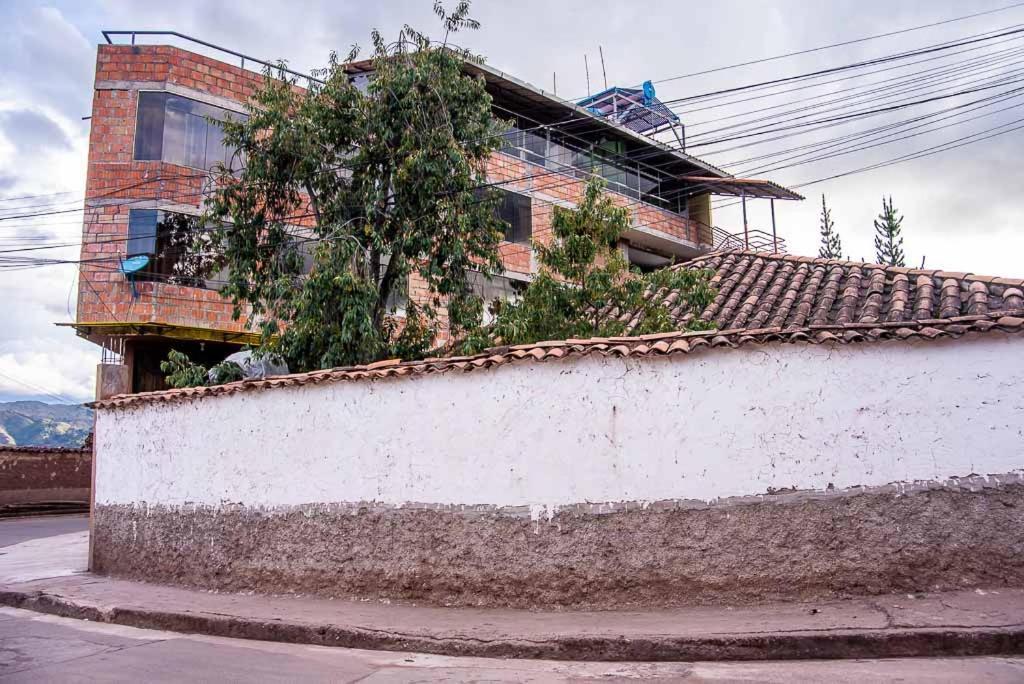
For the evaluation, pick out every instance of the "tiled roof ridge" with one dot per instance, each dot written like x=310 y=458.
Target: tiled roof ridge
x=697 y=262
x=42 y=449
x=659 y=344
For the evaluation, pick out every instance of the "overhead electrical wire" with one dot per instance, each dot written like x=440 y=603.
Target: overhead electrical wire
x=935 y=84
x=860 y=147
x=850 y=77
x=1010 y=55
x=839 y=44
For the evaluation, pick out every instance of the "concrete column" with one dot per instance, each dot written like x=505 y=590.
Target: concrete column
x=112 y=379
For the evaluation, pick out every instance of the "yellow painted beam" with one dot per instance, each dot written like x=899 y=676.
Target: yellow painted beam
x=169 y=330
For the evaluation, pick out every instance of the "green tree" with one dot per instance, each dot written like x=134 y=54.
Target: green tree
x=888 y=241
x=585 y=288
x=831 y=245
x=183 y=372
x=370 y=183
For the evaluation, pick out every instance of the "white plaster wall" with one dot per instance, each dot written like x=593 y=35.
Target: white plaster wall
x=716 y=424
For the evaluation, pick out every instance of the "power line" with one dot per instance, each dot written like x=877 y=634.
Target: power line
x=940 y=47
x=926 y=152
x=903 y=124
x=53 y=395
x=840 y=44
x=864 y=113
x=819 y=84
x=860 y=147
x=897 y=89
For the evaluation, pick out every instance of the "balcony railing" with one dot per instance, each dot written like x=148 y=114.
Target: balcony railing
x=632 y=180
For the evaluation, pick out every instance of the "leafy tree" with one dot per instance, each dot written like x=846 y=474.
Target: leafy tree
x=585 y=287
x=888 y=241
x=361 y=186
x=183 y=372
x=831 y=245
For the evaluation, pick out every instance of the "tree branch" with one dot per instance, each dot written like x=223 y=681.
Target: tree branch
x=313 y=203
x=386 y=285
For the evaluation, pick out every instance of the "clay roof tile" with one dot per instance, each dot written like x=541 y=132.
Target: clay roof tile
x=762 y=299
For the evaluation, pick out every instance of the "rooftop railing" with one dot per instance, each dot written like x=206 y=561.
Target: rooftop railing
x=243 y=59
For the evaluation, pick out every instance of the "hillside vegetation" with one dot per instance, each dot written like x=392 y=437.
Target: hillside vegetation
x=34 y=423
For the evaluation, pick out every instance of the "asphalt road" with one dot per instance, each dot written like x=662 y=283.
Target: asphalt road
x=42 y=648
x=17 y=530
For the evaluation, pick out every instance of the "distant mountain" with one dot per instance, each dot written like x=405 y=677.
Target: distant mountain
x=34 y=423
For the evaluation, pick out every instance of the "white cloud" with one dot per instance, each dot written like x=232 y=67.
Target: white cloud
x=44 y=91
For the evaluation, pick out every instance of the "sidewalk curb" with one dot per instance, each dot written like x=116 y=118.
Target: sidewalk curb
x=823 y=644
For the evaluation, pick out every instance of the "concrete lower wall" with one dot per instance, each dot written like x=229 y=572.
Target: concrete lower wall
x=782 y=471
x=37 y=474
x=787 y=547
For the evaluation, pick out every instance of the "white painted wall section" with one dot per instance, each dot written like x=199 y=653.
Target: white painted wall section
x=715 y=424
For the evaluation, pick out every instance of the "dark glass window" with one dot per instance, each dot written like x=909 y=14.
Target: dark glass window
x=178 y=130
x=142 y=227
x=515 y=210
x=174 y=244
x=149 y=127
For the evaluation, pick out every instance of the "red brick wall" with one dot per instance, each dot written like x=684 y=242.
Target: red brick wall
x=520 y=176
x=116 y=182
x=113 y=176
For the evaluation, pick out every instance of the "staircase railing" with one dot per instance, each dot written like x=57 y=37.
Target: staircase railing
x=754 y=239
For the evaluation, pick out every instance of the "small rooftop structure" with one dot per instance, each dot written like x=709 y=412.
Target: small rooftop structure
x=634 y=108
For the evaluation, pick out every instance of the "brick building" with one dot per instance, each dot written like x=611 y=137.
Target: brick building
x=152 y=144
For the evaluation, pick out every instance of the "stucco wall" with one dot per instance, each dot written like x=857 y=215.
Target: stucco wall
x=589 y=481
x=589 y=430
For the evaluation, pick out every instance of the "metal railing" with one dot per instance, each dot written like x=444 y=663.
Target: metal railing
x=625 y=178
x=755 y=239
x=243 y=58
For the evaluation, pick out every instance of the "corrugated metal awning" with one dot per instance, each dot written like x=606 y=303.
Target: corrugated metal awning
x=742 y=187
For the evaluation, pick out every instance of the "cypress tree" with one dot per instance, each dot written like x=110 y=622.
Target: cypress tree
x=888 y=241
x=831 y=245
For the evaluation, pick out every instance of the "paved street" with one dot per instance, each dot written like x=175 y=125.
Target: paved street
x=17 y=530
x=42 y=648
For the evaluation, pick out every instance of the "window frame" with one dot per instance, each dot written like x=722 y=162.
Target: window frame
x=212 y=281
x=173 y=93
x=519 y=203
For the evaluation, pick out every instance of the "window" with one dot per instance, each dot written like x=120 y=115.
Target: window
x=178 y=130
x=496 y=289
x=174 y=244
x=515 y=210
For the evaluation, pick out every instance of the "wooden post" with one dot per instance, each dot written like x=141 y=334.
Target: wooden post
x=746 y=233
x=775 y=238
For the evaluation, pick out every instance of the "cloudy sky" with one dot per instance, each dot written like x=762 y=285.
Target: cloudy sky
x=963 y=208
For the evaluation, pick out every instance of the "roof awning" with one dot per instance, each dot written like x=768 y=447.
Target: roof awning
x=742 y=187
x=171 y=330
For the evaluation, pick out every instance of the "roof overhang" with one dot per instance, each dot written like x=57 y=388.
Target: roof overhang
x=547 y=108
x=156 y=329
x=742 y=187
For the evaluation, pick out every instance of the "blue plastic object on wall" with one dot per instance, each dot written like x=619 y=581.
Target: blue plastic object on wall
x=131 y=266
